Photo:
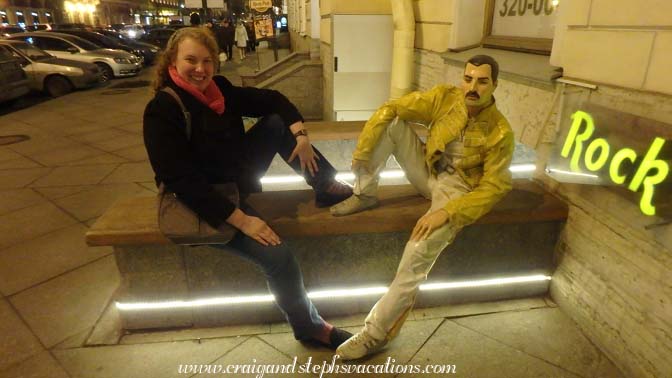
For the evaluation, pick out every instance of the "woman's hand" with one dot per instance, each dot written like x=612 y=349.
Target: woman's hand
x=254 y=227
x=428 y=223
x=303 y=150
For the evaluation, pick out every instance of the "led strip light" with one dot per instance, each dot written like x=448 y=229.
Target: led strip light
x=392 y=173
x=326 y=294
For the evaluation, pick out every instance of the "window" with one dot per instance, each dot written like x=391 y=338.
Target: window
x=50 y=19
x=21 y=19
x=54 y=44
x=522 y=25
x=3 y=18
x=5 y=54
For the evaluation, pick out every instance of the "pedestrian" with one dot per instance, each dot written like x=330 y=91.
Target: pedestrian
x=225 y=37
x=463 y=168
x=251 y=37
x=219 y=151
x=241 y=39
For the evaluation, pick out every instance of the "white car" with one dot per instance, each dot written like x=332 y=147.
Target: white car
x=112 y=63
x=51 y=74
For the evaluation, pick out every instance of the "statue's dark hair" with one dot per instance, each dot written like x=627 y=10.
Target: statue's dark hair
x=477 y=60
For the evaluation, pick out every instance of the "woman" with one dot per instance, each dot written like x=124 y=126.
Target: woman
x=241 y=39
x=219 y=151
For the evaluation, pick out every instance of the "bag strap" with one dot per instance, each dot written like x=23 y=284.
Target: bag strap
x=187 y=115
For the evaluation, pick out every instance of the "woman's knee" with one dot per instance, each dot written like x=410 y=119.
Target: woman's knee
x=278 y=259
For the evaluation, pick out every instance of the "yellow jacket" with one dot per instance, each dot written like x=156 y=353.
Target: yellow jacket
x=488 y=144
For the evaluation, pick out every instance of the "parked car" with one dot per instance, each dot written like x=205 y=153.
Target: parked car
x=134 y=31
x=104 y=41
x=50 y=74
x=112 y=63
x=158 y=37
x=6 y=31
x=13 y=81
x=38 y=27
x=147 y=50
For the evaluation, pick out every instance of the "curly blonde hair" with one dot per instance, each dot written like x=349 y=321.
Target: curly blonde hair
x=200 y=34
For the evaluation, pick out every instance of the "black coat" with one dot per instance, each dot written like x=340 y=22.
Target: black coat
x=217 y=150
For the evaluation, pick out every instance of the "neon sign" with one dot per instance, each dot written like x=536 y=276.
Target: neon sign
x=596 y=153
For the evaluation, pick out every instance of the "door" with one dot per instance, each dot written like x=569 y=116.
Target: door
x=362 y=47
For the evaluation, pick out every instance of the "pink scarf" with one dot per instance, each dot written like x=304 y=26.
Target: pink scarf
x=211 y=97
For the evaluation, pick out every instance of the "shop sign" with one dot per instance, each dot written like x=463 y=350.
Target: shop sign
x=261 y=6
x=606 y=147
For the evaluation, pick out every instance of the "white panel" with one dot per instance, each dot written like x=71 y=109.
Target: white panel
x=361 y=90
x=363 y=46
x=363 y=43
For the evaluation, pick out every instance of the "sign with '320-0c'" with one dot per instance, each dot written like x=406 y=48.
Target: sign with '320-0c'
x=524 y=18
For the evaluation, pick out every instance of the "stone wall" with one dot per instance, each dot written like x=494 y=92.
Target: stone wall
x=618 y=42
x=613 y=275
x=327 y=57
x=302 y=84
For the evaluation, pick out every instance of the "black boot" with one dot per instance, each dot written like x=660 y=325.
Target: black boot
x=332 y=193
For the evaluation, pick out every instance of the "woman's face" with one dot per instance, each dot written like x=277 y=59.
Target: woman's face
x=194 y=63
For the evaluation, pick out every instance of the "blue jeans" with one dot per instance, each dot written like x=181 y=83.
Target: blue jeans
x=284 y=280
x=268 y=137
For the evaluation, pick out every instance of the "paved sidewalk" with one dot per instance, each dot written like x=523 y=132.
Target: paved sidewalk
x=85 y=152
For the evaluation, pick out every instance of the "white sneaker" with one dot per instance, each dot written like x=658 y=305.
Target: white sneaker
x=359 y=346
x=354 y=204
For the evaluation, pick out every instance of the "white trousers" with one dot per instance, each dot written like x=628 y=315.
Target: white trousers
x=388 y=315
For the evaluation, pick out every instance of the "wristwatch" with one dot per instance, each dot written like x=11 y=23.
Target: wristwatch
x=301 y=132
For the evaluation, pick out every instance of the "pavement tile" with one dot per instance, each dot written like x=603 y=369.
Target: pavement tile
x=124 y=118
x=156 y=360
x=22 y=225
x=40 y=115
x=39 y=259
x=15 y=199
x=13 y=126
x=476 y=355
x=79 y=175
x=466 y=309
x=70 y=303
x=93 y=203
x=64 y=155
x=134 y=127
x=98 y=136
x=131 y=172
x=19 y=163
x=134 y=153
x=101 y=159
x=41 y=143
x=413 y=336
x=17 y=342
x=193 y=334
x=151 y=186
x=18 y=178
x=7 y=154
x=42 y=365
x=547 y=334
x=77 y=340
x=121 y=142
x=108 y=329
x=251 y=352
x=54 y=192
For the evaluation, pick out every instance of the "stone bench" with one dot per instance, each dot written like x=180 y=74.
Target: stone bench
x=361 y=250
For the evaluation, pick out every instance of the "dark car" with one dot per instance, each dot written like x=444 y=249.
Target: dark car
x=38 y=27
x=5 y=31
x=103 y=41
x=158 y=37
x=147 y=50
x=13 y=81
